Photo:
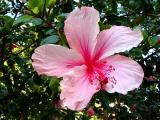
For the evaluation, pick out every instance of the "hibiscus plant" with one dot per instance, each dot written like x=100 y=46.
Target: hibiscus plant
x=79 y=59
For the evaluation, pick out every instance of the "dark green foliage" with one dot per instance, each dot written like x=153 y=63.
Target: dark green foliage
x=27 y=25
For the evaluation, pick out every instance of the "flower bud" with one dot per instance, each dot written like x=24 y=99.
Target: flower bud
x=90 y=112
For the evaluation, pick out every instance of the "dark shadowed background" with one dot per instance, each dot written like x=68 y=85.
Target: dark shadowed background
x=27 y=24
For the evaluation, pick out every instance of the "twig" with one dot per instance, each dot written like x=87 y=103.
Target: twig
x=20 y=51
x=44 y=8
x=24 y=49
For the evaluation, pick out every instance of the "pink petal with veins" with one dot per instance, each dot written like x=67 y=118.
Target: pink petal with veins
x=81 y=29
x=77 y=90
x=128 y=74
x=55 y=60
x=116 y=39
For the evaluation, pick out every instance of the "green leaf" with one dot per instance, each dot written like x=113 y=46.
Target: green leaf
x=54 y=85
x=50 y=40
x=153 y=40
x=62 y=17
x=34 y=3
x=51 y=2
x=136 y=53
x=37 y=21
x=35 y=10
x=37 y=6
x=8 y=21
x=22 y=19
x=49 y=32
x=28 y=19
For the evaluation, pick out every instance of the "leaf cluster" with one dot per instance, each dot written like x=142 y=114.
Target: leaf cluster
x=27 y=24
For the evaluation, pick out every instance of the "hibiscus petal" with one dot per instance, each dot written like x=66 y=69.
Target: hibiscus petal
x=54 y=60
x=77 y=90
x=116 y=39
x=81 y=29
x=128 y=74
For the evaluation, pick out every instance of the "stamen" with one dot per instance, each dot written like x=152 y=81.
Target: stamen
x=105 y=76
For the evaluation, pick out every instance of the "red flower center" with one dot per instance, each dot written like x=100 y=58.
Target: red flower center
x=103 y=72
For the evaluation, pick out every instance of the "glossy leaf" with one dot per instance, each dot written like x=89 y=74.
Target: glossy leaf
x=50 y=40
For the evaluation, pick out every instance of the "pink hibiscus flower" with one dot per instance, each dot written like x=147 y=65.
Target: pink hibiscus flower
x=90 y=65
